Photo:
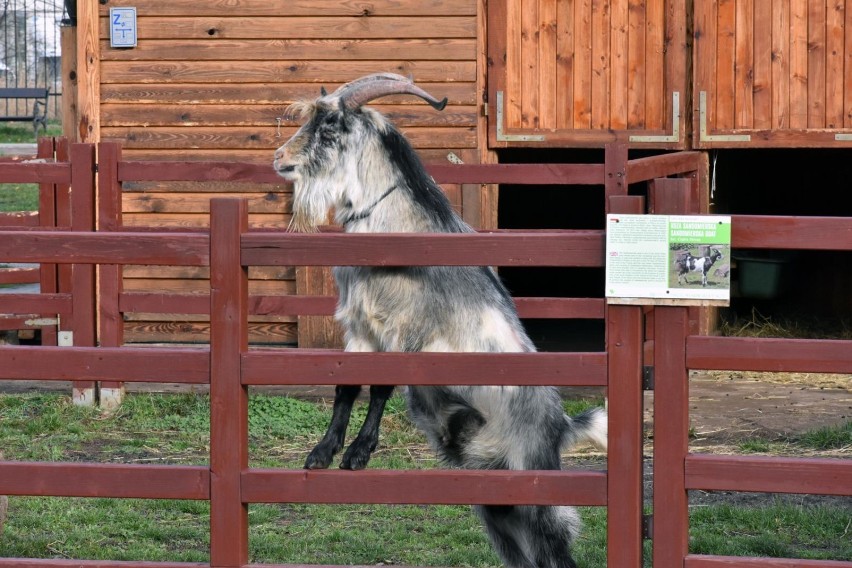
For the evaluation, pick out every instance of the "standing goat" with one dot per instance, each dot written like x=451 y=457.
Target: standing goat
x=351 y=159
x=701 y=264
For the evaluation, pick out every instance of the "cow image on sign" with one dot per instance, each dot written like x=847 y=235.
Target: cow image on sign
x=351 y=159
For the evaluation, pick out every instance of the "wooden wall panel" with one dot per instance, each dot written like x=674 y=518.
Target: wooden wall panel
x=585 y=73
x=212 y=81
x=772 y=73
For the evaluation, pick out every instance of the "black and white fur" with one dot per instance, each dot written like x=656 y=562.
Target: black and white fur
x=701 y=264
x=352 y=160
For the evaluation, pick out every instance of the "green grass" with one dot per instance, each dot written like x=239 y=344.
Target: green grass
x=821 y=439
x=18 y=197
x=173 y=429
x=22 y=133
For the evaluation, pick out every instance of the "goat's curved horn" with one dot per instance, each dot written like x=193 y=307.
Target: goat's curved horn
x=371 y=87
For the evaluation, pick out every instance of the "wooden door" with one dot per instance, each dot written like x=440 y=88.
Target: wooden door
x=584 y=73
x=773 y=73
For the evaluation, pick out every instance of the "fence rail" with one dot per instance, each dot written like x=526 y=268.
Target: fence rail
x=230 y=368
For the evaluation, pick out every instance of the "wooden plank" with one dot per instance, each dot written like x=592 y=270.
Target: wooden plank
x=258 y=157
x=764 y=354
x=835 y=55
x=799 y=64
x=11 y=172
x=280 y=71
x=272 y=334
x=512 y=97
x=443 y=49
x=565 y=63
x=457 y=93
x=149 y=365
x=35 y=303
x=744 y=65
x=780 y=65
x=326 y=366
x=636 y=61
x=823 y=476
x=191 y=222
x=768 y=231
x=582 y=64
x=702 y=561
x=816 y=63
x=124 y=481
x=619 y=63
x=203 y=272
x=19 y=275
x=847 y=74
x=200 y=202
x=547 y=63
x=663 y=165
x=250 y=114
x=724 y=93
x=177 y=286
x=705 y=61
x=221 y=8
x=671 y=436
x=228 y=398
x=570 y=248
x=249 y=137
x=209 y=29
x=88 y=73
x=625 y=412
x=762 y=64
x=557 y=308
x=455 y=487
x=529 y=78
x=601 y=64
x=655 y=62
x=136 y=248
x=678 y=62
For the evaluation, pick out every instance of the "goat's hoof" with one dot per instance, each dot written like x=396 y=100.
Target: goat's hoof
x=318 y=460
x=355 y=460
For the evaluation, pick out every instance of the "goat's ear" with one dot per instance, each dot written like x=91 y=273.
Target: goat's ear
x=323 y=92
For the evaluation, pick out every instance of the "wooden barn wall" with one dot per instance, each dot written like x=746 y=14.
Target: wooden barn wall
x=212 y=81
x=584 y=73
x=773 y=73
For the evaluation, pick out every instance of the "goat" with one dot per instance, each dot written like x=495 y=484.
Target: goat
x=701 y=264
x=350 y=159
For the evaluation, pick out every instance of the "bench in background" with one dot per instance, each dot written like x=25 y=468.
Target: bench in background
x=38 y=115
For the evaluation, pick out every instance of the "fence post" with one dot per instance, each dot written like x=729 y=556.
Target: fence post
x=228 y=396
x=111 y=333
x=671 y=405
x=624 y=337
x=47 y=218
x=83 y=275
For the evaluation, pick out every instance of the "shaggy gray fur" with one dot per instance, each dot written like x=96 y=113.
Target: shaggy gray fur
x=354 y=162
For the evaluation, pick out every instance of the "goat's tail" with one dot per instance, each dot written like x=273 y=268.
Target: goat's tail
x=589 y=426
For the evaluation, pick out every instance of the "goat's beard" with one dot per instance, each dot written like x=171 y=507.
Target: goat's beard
x=311 y=205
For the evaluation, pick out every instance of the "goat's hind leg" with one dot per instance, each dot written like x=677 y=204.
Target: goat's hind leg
x=358 y=453
x=322 y=454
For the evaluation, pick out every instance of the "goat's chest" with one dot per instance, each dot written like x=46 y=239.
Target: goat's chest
x=380 y=299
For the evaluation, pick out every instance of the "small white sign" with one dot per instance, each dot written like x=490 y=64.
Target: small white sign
x=671 y=259
x=122 y=27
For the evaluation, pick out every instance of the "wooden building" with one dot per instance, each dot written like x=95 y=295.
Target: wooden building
x=532 y=80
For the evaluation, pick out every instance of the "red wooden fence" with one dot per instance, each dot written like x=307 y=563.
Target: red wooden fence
x=230 y=368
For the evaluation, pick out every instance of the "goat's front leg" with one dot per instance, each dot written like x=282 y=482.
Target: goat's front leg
x=358 y=453
x=322 y=454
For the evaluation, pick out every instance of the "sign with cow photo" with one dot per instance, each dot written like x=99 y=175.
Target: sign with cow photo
x=668 y=259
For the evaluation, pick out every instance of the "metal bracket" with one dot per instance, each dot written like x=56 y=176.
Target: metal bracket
x=502 y=137
x=648 y=378
x=843 y=137
x=703 y=135
x=648 y=527
x=675 y=135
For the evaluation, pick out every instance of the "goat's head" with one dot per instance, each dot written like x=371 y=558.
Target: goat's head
x=335 y=150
